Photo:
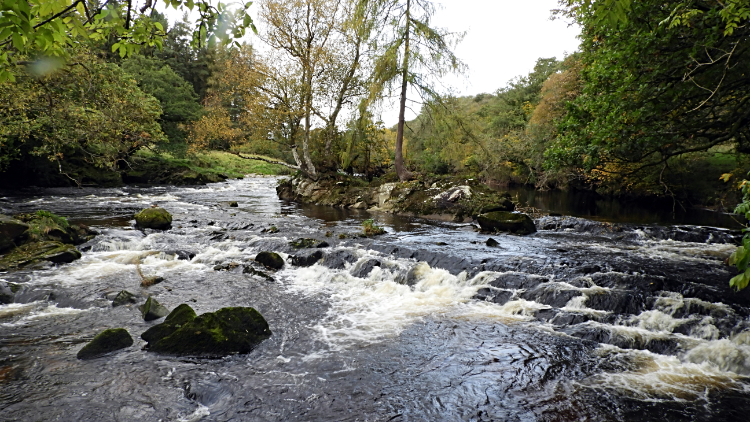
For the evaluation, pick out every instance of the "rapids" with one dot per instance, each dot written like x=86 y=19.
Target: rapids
x=580 y=321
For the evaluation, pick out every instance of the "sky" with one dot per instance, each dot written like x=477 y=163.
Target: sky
x=504 y=38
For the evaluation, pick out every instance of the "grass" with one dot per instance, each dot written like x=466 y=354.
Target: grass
x=216 y=162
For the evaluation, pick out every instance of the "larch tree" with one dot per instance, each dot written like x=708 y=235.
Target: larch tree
x=413 y=53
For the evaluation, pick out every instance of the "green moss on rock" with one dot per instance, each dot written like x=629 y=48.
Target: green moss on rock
x=105 y=342
x=123 y=298
x=32 y=253
x=221 y=333
x=504 y=221
x=10 y=231
x=152 y=310
x=270 y=259
x=154 y=218
x=180 y=316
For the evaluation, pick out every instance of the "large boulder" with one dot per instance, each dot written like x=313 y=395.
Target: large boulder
x=11 y=230
x=504 y=221
x=32 y=253
x=152 y=310
x=105 y=342
x=154 y=218
x=221 y=333
x=307 y=259
x=180 y=316
x=270 y=260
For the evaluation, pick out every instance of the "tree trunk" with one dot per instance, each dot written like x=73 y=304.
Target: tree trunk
x=401 y=171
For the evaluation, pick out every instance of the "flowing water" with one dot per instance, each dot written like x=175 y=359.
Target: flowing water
x=580 y=321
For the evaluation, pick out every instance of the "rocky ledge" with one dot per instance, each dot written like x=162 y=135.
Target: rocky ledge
x=444 y=198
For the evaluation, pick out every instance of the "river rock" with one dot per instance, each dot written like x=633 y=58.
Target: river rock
x=364 y=269
x=105 y=342
x=180 y=316
x=492 y=243
x=154 y=218
x=504 y=204
x=302 y=243
x=6 y=293
x=505 y=221
x=221 y=333
x=152 y=309
x=307 y=259
x=32 y=253
x=123 y=298
x=234 y=204
x=270 y=260
x=10 y=231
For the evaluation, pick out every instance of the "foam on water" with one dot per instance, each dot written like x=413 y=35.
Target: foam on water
x=45 y=312
x=658 y=377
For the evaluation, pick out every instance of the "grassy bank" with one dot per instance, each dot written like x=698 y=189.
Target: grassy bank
x=211 y=162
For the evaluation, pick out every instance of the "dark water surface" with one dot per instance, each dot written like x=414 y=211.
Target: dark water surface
x=580 y=321
x=587 y=204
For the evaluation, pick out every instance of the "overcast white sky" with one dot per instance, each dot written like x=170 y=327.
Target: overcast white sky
x=504 y=38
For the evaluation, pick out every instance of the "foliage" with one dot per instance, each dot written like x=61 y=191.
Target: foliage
x=91 y=112
x=50 y=28
x=654 y=93
x=369 y=228
x=740 y=258
x=178 y=100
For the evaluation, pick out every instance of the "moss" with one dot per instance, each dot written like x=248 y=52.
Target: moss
x=180 y=316
x=105 y=342
x=270 y=260
x=221 y=333
x=370 y=229
x=32 y=253
x=152 y=310
x=123 y=298
x=302 y=243
x=154 y=218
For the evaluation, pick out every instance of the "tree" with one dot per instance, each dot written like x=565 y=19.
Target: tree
x=50 y=28
x=412 y=55
x=179 y=103
x=92 y=113
x=653 y=93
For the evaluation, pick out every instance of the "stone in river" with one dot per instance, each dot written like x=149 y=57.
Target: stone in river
x=307 y=259
x=180 y=316
x=10 y=231
x=152 y=310
x=123 y=298
x=154 y=218
x=105 y=342
x=221 y=333
x=504 y=221
x=32 y=253
x=270 y=260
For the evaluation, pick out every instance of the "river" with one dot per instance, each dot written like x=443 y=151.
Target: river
x=581 y=321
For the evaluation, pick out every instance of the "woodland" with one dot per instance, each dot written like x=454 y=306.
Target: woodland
x=656 y=95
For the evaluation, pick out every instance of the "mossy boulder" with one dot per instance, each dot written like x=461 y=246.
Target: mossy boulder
x=11 y=230
x=152 y=310
x=504 y=221
x=180 y=316
x=221 y=333
x=123 y=298
x=270 y=260
x=154 y=218
x=302 y=243
x=32 y=253
x=105 y=342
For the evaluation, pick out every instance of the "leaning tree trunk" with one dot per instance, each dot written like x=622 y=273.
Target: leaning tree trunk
x=401 y=171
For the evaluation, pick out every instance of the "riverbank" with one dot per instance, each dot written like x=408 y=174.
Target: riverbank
x=142 y=168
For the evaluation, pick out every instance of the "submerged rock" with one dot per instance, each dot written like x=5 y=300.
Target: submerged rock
x=221 y=333
x=123 y=298
x=364 y=269
x=270 y=260
x=492 y=243
x=32 y=253
x=152 y=309
x=11 y=231
x=105 y=342
x=505 y=221
x=154 y=218
x=180 y=316
x=6 y=293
